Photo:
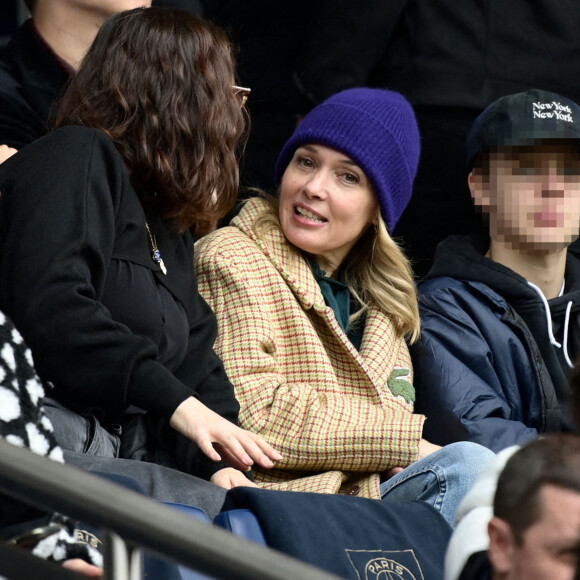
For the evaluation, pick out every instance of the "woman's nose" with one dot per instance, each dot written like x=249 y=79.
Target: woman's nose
x=317 y=185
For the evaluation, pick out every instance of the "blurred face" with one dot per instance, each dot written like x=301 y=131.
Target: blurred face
x=549 y=546
x=326 y=204
x=533 y=197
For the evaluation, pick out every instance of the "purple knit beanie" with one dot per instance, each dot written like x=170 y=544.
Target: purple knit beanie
x=377 y=129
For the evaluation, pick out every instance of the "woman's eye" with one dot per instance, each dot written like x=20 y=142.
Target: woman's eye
x=305 y=162
x=350 y=178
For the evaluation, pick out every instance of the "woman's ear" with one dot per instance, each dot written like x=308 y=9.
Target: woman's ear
x=479 y=188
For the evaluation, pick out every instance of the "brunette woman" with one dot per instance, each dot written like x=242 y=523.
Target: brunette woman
x=96 y=252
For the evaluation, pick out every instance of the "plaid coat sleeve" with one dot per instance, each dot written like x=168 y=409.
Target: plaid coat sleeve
x=300 y=383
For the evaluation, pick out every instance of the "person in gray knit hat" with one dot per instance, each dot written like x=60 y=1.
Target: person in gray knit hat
x=315 y=302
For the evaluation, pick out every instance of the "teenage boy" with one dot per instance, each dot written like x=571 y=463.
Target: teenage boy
x=500 y=313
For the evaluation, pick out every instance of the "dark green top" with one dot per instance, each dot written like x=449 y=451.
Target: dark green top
x=337 y=295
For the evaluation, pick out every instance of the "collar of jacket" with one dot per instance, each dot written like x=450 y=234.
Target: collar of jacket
x=286 y=258
x=294 y=269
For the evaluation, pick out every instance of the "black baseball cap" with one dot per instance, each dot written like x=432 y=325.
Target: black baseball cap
x=526 y=118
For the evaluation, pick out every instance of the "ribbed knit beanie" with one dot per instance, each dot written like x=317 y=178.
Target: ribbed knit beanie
x=377 y=129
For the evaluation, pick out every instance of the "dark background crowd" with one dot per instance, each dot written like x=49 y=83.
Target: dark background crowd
x=449 y=60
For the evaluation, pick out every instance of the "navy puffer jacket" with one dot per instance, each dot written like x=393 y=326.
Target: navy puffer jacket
x=492 y=362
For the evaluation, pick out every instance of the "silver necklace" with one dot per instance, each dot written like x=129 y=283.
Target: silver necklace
x=155 y=253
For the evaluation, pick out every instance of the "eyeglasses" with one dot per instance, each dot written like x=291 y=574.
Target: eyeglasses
x=242 y=93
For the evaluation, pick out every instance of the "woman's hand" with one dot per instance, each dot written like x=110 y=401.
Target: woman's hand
x=392 y=472
x=211 y=432
x=229 y=478
x=426 y=448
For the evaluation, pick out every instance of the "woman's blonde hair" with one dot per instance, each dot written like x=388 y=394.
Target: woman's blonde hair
x=376 y=271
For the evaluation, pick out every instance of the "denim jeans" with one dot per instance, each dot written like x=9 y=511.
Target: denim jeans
x=441 y=479
x=86 y=444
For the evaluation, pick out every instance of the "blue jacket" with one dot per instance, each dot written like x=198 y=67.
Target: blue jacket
x=491 y=365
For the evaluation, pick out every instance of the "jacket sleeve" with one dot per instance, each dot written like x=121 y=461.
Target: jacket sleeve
x=458 y=385
x=203 y=371
x=58 y=211
x=312 y=427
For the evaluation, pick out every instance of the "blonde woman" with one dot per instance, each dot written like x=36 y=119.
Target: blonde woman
x=315 y=302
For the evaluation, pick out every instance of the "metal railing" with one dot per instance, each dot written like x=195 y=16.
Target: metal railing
x=131 y=521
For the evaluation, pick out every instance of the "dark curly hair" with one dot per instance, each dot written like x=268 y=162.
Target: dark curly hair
x=158 y=82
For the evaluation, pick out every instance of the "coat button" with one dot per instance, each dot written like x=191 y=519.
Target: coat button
x=354 y=490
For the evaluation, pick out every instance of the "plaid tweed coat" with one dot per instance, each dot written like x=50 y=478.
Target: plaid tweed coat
x=338 y=416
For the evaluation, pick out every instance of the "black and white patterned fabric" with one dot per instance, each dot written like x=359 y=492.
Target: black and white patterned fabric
x=24 y=423
x=22 y=419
